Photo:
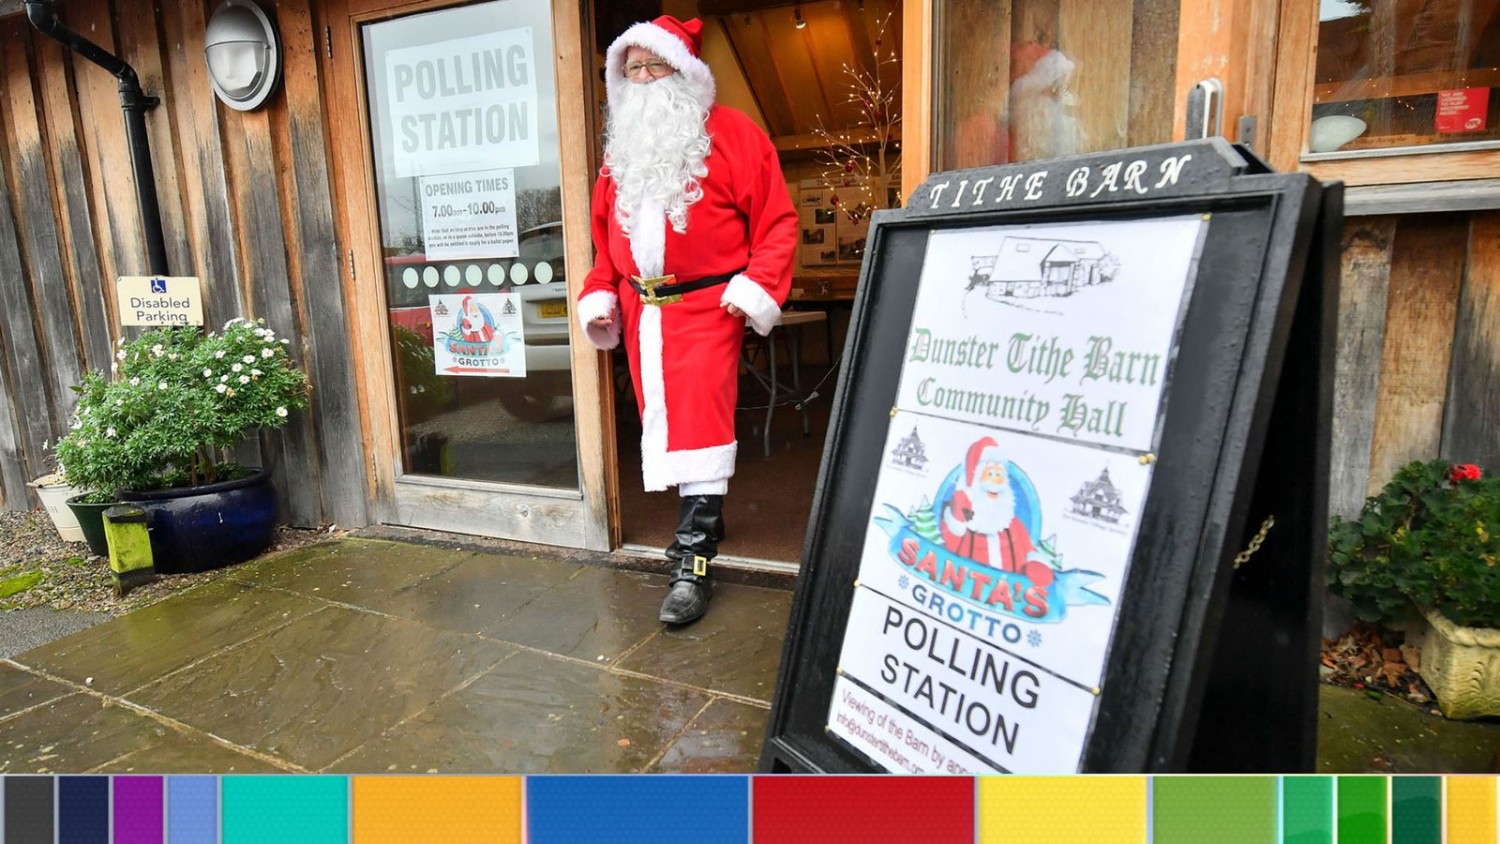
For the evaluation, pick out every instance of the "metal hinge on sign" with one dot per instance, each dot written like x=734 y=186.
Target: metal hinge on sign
x=351 y=265
x=328 y=40
x=1245 y=132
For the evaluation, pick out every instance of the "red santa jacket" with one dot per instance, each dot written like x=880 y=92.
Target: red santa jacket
x=1010 y=547
x=684 y=357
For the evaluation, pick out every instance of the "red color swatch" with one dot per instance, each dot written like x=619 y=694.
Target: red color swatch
x=868 y=809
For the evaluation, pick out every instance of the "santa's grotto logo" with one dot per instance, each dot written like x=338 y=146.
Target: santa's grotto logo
x=978 y=540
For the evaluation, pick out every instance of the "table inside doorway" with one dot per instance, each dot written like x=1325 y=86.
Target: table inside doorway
x=791 y=324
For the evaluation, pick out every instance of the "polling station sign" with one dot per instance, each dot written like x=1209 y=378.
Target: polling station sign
x=159 y=301
x=465 y=104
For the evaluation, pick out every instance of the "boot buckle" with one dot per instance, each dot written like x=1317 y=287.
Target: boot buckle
x=700 y=566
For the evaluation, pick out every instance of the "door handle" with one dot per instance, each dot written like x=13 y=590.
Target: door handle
x=1205 y=110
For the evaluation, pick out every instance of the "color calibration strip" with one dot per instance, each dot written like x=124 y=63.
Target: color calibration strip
x=744 y=809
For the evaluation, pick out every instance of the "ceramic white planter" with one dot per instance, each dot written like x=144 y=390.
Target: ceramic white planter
x=54 y=496
x=1460 y=664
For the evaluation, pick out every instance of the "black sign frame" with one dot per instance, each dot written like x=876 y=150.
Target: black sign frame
x=1221 y=672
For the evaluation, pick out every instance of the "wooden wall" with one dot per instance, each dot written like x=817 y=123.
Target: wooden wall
x=1418 y=374
x=246 y=206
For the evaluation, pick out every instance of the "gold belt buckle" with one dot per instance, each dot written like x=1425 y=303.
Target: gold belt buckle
x=651 y=284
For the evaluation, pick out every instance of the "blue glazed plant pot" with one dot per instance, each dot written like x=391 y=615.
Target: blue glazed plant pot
x=205 y=527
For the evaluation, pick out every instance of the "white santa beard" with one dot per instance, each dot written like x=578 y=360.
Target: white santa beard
x=991 y=515
x=656 y=148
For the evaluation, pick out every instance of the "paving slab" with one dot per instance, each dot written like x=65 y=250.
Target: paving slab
x=1376 y=733
x=142 y=646
x=20 y=690
x=24 y=629
x=535 y=714
x=350 y=571
x=321 y=686
x=735 y=649
x=724 y=739
x=598 y=615
x=476 y=593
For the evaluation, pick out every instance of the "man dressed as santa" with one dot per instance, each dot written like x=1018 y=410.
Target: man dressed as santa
x=694 y=234
x=979 y=520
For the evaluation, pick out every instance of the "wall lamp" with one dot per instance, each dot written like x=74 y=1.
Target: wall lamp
x=797 y=14
x=243 y=53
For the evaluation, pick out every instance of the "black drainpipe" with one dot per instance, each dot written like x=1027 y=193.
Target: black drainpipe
x=135 y=104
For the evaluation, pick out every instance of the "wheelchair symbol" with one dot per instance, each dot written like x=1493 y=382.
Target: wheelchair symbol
x=158 y=285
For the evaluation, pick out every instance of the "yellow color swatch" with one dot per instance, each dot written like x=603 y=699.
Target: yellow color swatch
x=1471 y=810
x=448 y=809
x=1096 y=809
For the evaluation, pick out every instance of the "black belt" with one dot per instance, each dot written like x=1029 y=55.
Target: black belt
x=661 y=291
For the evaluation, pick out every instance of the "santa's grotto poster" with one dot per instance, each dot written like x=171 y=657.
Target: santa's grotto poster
x=1017 y=462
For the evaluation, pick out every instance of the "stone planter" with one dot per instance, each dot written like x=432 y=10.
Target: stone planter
x=54 y=493
x=1461 y=664
x=205 y=527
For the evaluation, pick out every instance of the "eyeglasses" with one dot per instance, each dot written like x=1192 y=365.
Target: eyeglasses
x=655 y=68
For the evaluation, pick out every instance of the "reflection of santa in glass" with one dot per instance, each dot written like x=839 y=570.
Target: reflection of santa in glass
x=980 y=523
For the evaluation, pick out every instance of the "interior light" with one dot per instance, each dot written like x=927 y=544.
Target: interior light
x=797 y=13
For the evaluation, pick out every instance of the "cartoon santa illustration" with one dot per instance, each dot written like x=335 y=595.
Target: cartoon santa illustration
x=475 y=323
x=979 y=521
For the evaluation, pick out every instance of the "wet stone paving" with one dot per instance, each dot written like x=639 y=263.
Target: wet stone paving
x=369 y=656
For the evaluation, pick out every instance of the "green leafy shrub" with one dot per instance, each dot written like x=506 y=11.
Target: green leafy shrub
x=1427 y=538
x=177 y=400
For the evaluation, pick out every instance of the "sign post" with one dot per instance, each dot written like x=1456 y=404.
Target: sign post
x=1065 y=408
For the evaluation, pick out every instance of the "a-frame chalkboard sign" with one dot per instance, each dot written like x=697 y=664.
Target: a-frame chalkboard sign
x=1073 y=393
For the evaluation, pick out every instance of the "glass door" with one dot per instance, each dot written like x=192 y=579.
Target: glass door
x=464 y=162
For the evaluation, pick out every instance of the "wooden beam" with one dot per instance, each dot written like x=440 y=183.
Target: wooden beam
x=1472 y=412
x=916 y=94
x=1366 y=280
x=1409 y=85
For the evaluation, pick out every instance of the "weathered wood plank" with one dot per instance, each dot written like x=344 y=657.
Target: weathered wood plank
x=80 y=248
x=37 y=227
x=1472 y=415
x=210 y=229
x=140 y=44
x=319 y=290
x=21 y=345
x=1153 y=69
x=1426 y=273
x=1366 y=251
x=258 y=197
x=976 y=86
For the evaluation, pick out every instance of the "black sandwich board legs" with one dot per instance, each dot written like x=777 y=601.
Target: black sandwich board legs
x=1260 y=701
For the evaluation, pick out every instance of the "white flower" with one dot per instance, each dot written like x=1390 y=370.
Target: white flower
x=85 y=411
x=109 y=432
x=223 y=378
x=244 y=379
x=232 y=322
x=120 y=355
x=229 y=392
x=284 y=341
x=219 y=388
x=135 y=382
x=114 y=367
x=77 y=423
x=172 y=356
x=237 y=367
x=219 y=354
x=120 y=342
x=248 y=358
x=265 y=353
x=161 y=386
x=208 y=373
x=157 y=350
x=281 y=411
x=119 y=402
x=256 y=372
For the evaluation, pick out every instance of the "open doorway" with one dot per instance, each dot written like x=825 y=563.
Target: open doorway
x=822 y=78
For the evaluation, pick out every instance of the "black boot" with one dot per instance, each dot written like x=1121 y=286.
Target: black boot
x=700 y=528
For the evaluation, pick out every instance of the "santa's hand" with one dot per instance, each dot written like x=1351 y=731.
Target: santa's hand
x=967 y=513
x=733 y=309
x=602 y=322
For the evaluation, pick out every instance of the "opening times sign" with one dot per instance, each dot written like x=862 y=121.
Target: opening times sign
x=1016 y=466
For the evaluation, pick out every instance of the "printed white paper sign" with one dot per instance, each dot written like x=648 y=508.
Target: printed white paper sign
x=469 y=215
x=1062 y=330
x=893 y=739
x=478 y=334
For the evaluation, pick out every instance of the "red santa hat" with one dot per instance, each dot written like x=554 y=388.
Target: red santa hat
x=982 y=453
x=679 y=43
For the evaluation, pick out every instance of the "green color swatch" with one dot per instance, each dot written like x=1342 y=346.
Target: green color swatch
x=305 y=809
x=1362 y=810
x=1307 y=810
x=1416 y=810
x=1224 y=810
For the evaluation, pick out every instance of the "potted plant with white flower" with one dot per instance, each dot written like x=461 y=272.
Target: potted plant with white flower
x=158 y=433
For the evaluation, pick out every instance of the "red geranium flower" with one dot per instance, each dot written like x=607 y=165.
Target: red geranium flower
x=1463 y=472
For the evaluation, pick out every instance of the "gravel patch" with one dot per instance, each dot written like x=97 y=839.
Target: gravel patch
x=68 y=576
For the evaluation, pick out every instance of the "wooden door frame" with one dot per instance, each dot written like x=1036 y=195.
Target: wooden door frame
x=1232 y=40
x=588 y=519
